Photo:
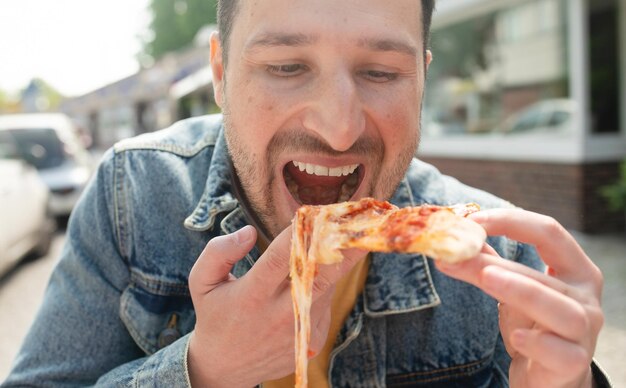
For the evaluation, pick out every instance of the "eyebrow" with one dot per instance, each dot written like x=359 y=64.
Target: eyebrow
x=272 y=39
x=388 y=45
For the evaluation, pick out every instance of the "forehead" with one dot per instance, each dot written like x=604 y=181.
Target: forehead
x=337 y=20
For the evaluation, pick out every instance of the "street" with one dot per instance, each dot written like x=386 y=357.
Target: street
x=21 y=292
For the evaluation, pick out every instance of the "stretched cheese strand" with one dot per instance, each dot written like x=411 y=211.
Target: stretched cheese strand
x=302 y=272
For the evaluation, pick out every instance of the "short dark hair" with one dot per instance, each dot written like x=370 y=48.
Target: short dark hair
x=226 y=10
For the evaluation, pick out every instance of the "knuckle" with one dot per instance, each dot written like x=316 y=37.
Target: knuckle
x=552 y=227
x=275 y=262
x=529 y=294
x=579 y=322
x=597 y=278
x=596 y=317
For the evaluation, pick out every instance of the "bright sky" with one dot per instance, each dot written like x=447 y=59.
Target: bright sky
x=74 y=45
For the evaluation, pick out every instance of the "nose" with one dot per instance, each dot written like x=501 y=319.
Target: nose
x=335 y=111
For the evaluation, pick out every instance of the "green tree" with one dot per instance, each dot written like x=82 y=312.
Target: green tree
x=175 y=23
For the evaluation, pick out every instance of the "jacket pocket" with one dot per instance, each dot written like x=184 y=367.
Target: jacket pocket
x=156 y=314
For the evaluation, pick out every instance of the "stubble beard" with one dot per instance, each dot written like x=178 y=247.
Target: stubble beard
x=258 y=177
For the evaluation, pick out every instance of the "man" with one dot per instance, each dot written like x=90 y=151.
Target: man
x=320 y=102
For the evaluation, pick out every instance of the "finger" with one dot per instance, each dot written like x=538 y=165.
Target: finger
x=270 y=272
x=546 y=306
x=320 y=317
x=552 y=352
x=471 y=271
x=553 y=243
x=511 y=319
x=217 y=259
x=323 y=302
x=328 y=275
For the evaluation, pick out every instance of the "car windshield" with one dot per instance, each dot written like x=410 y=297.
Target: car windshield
x=40 y=147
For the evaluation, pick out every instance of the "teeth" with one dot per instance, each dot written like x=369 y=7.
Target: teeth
x=318 y=170
x=321 y=170
x=335 y=171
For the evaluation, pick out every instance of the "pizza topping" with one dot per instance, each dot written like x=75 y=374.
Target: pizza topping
x=311 y=184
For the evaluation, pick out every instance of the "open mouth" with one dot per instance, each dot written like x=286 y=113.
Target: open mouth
x=312 y=184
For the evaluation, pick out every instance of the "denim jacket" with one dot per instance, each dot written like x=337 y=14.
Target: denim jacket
x=117 y=310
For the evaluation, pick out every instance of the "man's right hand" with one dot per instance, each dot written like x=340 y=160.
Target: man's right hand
x=244 y=331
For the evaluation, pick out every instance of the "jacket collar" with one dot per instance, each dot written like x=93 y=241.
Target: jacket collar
x=218 y=194
x=395 y=283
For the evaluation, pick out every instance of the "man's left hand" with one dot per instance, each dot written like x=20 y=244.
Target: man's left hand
x=549 y=321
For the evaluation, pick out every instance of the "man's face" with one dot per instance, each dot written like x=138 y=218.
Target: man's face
x=321 y=100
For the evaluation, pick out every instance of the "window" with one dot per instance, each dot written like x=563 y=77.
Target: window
x=490 y=69
x=604 y=65
x=40 y=147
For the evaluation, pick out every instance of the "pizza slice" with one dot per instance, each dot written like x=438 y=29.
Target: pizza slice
x=321 y=232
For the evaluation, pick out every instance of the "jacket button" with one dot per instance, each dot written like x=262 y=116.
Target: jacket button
x=167 y=337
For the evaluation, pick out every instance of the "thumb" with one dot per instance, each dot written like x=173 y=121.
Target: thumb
x=217 y=259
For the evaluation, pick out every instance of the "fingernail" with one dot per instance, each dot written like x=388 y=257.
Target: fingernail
x=478 y=217
x=243 y=235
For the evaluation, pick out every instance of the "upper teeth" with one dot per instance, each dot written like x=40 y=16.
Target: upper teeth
x=325 y=171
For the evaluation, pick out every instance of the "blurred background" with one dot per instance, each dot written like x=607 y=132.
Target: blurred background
x=525 y=99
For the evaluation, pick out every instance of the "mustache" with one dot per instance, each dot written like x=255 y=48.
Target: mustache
x=300 y=140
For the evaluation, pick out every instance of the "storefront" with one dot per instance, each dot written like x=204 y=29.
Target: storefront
x=527 y=99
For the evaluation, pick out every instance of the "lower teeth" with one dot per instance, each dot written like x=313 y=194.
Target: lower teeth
x=347 y=188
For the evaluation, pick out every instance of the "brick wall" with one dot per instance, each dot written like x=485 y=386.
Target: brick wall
x=567 y=192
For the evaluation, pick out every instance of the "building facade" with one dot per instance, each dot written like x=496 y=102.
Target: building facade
x=177 y=86
x=527 y=99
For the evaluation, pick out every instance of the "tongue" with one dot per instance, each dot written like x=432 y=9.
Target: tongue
x=314 y=189
x=318 y=195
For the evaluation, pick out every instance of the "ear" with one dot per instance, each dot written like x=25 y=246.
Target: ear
x=429 y=58
x=217 y=67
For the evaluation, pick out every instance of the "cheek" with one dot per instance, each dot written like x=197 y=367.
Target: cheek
x=260 y=104
x=253 y=109
x=399 y=126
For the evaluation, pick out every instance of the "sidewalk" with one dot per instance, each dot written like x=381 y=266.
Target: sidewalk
x=609 y=253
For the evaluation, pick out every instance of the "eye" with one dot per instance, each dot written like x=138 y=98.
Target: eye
x=289 y=70
x=379 y=76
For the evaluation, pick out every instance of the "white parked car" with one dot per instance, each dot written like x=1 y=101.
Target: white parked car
x=546 y=116
x=26 y=225
x=51 y=143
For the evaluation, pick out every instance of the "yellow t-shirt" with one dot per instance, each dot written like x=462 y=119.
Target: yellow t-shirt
x=346 y=292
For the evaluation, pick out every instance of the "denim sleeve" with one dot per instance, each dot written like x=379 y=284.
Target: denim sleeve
x=77 y=337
